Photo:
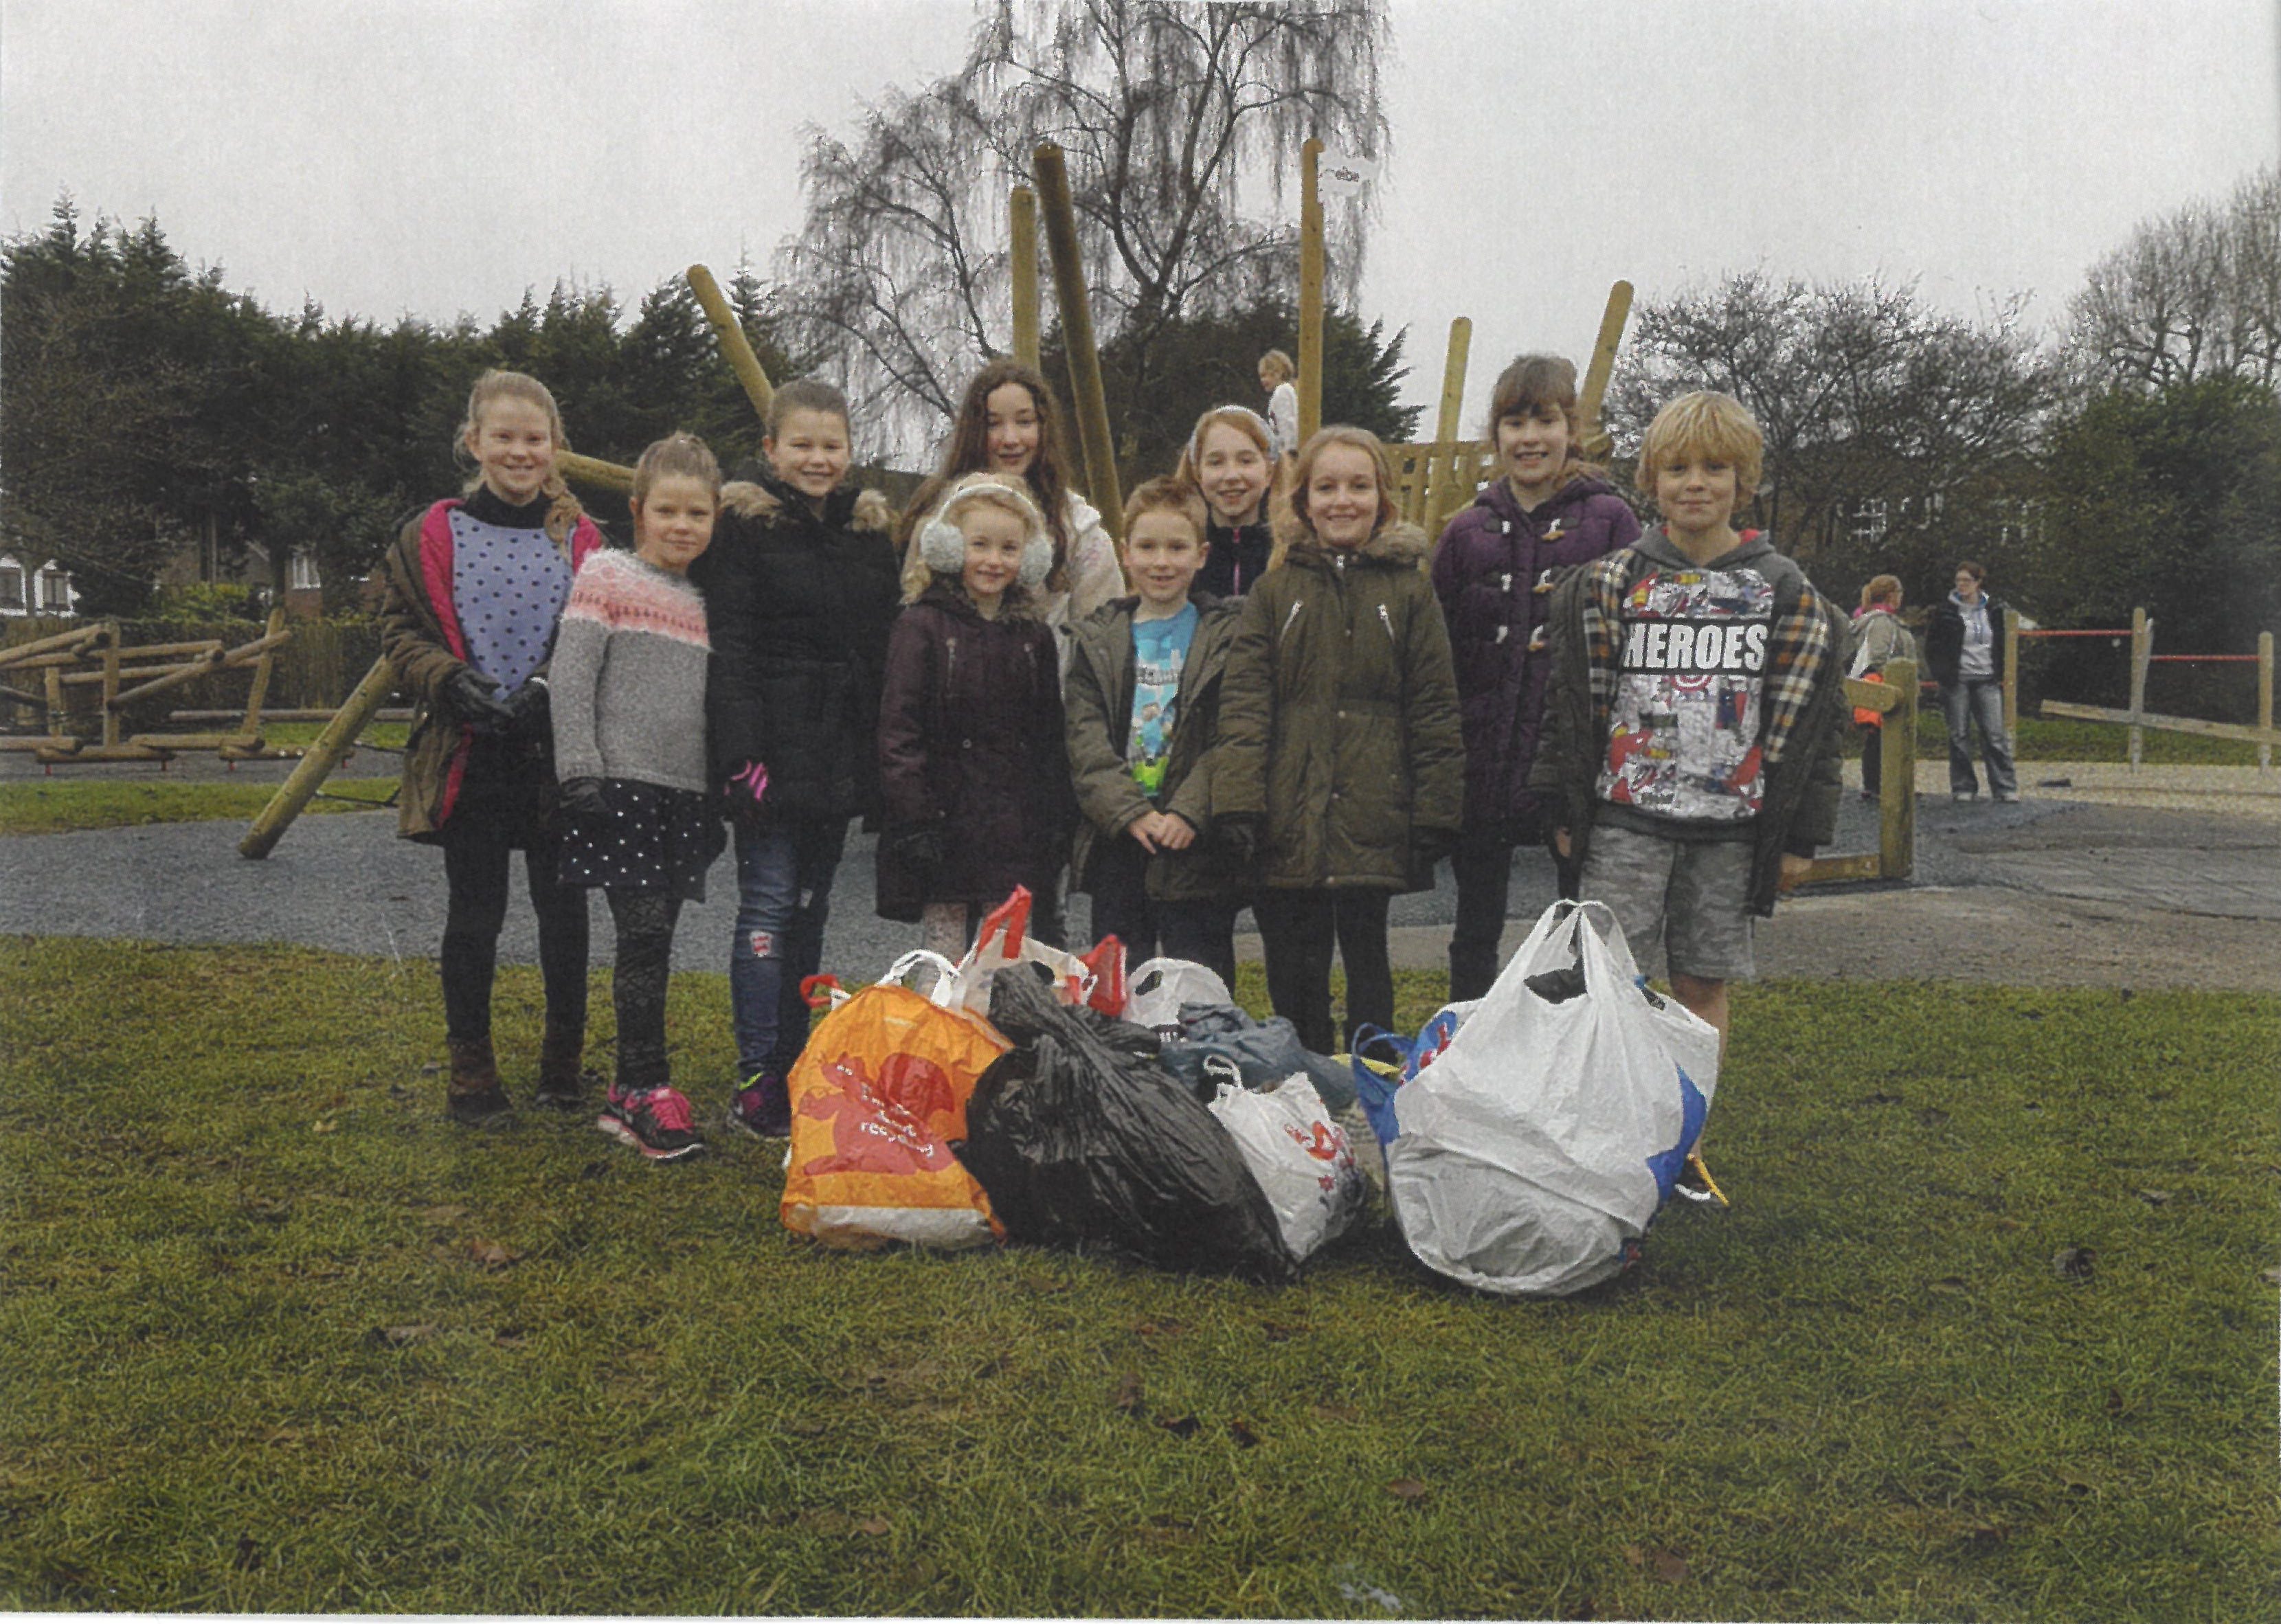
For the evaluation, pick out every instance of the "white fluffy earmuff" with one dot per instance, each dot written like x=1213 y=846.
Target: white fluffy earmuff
x=1037 y=562
x=942 y=548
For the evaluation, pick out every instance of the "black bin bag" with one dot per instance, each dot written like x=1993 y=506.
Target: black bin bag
x=1086 y=1145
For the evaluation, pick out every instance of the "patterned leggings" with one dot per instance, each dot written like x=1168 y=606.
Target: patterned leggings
x=644 y=921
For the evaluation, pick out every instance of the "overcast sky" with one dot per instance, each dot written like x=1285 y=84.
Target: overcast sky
x=435 y=156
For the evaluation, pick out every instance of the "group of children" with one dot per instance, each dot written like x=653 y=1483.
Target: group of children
x=1266 y=698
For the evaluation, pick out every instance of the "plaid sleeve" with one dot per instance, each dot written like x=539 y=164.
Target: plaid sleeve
x=1800 y=656
x=1603 y=632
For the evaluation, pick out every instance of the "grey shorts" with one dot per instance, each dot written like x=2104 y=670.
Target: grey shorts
x=1693 y=893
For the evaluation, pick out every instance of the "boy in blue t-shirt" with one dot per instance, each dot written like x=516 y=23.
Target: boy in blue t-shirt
x=1142 y=701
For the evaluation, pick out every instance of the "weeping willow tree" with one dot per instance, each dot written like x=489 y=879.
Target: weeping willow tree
x=1182 y=124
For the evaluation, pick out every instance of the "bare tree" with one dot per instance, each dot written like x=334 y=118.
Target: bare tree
x=2194 y=294
x=1182 y=124
x=1890 y=427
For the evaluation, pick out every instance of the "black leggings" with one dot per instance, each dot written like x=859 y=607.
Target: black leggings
x=644 y=920
x=1297 y=930
x=477 y=856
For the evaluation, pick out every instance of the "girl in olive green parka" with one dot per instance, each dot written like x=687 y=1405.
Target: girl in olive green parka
x=1340 y=765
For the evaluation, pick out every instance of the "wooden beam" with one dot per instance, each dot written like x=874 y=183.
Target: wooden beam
x=1022 y=216
x=735 y=347
x=1846 y=866
x=2136 y=719
x=1076 y=309
x=24 y=654
x=1442 y=470
x=339 y=735
x=1897 y=765
x=594 y=471
x=1310 y=292
x=1594 y=441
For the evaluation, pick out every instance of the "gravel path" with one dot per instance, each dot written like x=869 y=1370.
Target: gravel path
x=2151 y=888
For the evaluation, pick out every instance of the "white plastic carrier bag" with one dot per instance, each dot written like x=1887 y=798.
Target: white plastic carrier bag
x=1531 y=1155
x=1300 y=1157
x=1156 y=991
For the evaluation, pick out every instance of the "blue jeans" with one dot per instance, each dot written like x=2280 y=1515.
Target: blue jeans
x=784 y=896
x=1967 y=702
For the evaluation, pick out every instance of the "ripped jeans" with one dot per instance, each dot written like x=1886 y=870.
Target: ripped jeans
x=784 y=896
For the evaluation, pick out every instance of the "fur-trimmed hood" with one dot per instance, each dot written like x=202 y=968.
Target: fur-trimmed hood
x=764 y=496
x=1399 y=544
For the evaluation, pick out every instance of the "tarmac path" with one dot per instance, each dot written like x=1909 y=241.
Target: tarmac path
x=2046 y=891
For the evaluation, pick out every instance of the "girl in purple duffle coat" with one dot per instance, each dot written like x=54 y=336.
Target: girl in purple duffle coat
x=1545 y=512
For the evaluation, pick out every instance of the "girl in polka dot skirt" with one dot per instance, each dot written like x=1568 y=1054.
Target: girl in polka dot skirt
x=641 y=821
x=473 y=591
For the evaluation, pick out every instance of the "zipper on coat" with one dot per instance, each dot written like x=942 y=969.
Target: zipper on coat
x=1297 y=604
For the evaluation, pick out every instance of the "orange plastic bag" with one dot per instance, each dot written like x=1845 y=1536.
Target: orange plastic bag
x=878 y=1097
x=1863 y=715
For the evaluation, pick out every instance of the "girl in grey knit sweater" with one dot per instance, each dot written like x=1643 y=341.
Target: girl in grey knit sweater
x=628 y=704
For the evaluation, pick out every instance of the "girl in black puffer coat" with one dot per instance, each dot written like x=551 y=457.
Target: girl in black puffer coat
x=800 y=589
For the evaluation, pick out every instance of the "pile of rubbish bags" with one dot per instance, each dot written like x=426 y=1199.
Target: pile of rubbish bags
x=1037 y=1096
x=1020 y=1099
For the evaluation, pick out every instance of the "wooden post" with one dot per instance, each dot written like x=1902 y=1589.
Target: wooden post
x=110 y=685
x=1077 y=338
x=1897 y=791
x=734 y=346
x=1311 y=291
x=2264 y=696
x=317 y=765
x=2011 y=679
x=259 y=692
x=1594 y=441
x=1441 y=468
x=2142 y=649
x=1022 y=212
x=58 y=717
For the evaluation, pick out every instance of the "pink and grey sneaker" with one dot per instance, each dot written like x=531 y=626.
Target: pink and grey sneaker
x=762 y=1108
x=657 y=1122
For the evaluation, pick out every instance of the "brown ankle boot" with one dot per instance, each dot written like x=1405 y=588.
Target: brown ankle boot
x=474 y=1097
x=562 y=1082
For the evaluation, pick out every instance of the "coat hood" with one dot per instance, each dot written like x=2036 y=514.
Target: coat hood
x=1656 y=545
x=759 y=494
x=1400 y=545
x=1577 y=489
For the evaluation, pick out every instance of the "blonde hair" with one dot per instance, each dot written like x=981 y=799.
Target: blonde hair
x=1281 y=362
x=1709 y=424
x=677 y=456
x=1165 y=493
x=565 y=511
x=1246 y=422
x=941 y=544
x=1297 y=525
x=1882 y=588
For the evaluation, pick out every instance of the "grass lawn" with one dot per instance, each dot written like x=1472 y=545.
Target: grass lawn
x=53 y=806
x=2066 y=740
x=279 y=1338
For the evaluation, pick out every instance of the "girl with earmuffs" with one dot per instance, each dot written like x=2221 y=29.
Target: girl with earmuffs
x=973 y=767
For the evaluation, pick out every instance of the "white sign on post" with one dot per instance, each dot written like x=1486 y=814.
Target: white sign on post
x=1339 y=174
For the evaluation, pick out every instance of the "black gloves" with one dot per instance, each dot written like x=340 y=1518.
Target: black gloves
x=1242 y=836
x=922 y=848
x=527 y=714
x=1429 y=847
x=474 y=698
x=583 y=797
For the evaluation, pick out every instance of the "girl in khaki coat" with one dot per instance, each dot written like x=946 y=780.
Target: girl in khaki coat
x=1340 y=767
